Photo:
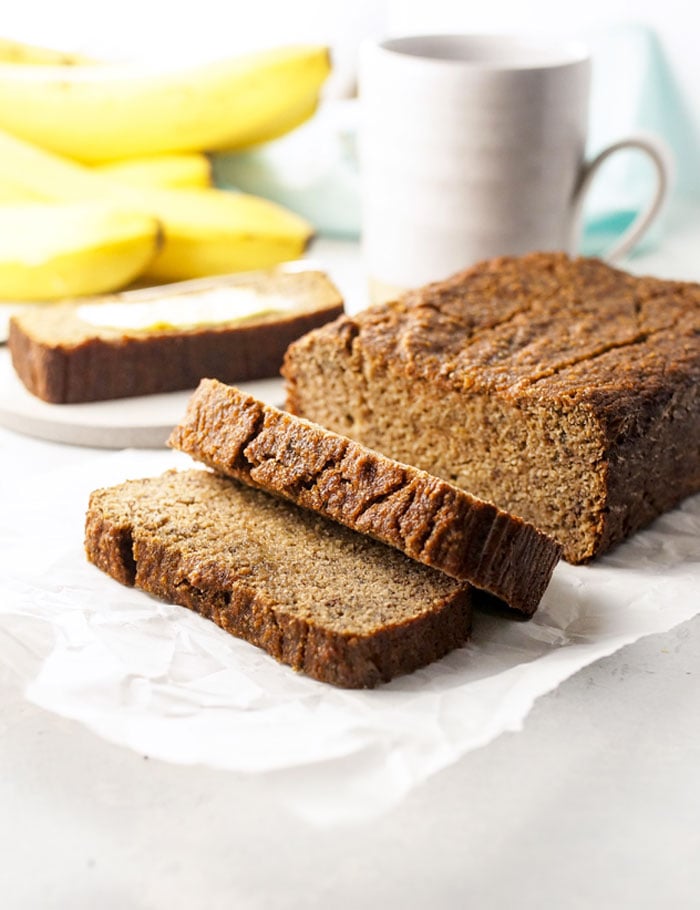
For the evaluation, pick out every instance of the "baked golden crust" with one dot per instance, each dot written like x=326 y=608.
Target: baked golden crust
x=563 y=390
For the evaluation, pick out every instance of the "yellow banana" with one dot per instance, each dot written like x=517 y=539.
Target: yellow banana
x=101 y=113
x=292 y=117
x=212 y=232
x=188 y=170
x=49 y=251
x=11 y=192
x=206 y=231
x=18 y=52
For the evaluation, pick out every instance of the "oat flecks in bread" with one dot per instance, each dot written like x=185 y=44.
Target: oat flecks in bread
x=425 y=517
x=563 y=390
x=331 y=603
x=63 y=359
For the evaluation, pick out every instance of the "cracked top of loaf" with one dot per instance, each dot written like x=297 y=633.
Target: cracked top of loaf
x=541 y=324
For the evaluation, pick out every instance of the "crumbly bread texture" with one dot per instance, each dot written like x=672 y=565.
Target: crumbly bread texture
x=565 y=391
x=63 y=359
x=331 y=603
x=426 y=518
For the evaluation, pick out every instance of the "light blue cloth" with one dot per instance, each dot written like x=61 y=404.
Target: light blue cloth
x=634 y=91
x=314 y=172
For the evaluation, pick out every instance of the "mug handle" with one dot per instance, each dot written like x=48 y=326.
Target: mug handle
x=661 y=158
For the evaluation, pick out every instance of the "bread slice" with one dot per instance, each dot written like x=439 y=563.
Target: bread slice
x=565 y=391
x=426 y=518
x=93 y=351
x=331 y=603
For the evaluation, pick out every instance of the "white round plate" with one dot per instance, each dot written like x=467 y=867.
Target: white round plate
x=143 y=422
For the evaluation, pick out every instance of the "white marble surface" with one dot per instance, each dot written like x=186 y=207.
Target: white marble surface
x=595 y=803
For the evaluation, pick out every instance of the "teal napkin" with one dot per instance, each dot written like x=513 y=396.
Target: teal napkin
x=634 y=91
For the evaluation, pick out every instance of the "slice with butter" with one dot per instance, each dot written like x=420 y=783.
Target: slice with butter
x=234 y=328
x=217 y=306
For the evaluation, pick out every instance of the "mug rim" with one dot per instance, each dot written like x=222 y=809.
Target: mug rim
x=546 y=53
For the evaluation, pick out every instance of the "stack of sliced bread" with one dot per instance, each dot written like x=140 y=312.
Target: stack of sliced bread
x=564 y=394
x=334 y=559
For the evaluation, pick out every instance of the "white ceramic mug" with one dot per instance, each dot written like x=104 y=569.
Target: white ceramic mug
x=473 y=147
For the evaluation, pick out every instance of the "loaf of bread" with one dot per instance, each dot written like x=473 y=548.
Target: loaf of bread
x=562 y=390
x=236 y=328
x=331 y=603
x=428 y=519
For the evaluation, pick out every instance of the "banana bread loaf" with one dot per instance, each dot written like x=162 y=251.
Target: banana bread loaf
x=236 y=328
x=426 y=518
x=564 y=391
x=331 y=603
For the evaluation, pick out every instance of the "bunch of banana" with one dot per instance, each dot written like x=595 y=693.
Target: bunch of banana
x=110 y=111
x=118 y=151
x=205 y=231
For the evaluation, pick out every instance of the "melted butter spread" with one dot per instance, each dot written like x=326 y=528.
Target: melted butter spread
x=208 y=308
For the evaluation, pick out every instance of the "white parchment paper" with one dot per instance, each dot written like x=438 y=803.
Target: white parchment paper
x=166 y=683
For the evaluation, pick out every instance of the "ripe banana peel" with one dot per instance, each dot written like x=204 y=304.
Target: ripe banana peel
x=11 y=192
x=31 y=54
x=190 y=170
x=205 y=231
x=294 y=115
x=99 y=113
x=49 y=251
x=212 y=232
x=187 y=170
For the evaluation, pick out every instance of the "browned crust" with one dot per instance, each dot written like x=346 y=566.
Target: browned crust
x=137 y=557
x=545 y=334
x=654 y=464
x=426 y=518
x=101 y=368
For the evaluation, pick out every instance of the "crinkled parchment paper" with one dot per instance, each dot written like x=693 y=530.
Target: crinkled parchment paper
x=168 y=684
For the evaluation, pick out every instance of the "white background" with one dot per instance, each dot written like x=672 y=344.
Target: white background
x=157 y=27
